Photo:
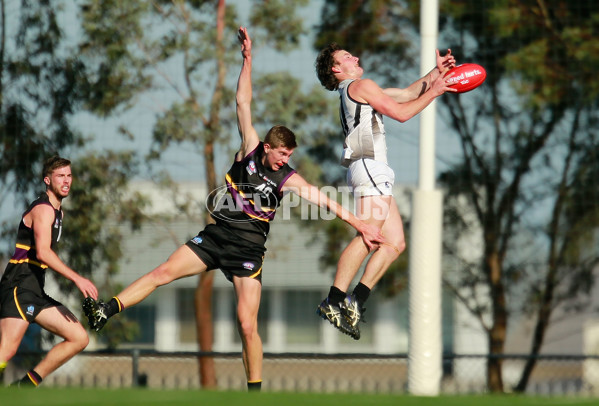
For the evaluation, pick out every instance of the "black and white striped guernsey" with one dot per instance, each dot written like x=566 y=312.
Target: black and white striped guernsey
x=362 y=127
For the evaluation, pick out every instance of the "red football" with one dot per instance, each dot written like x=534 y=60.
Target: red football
x=466 y=77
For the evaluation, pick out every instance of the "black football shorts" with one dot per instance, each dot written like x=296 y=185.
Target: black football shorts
x=220 y=248
x=23 y=304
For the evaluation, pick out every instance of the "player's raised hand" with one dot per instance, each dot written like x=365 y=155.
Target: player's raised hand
x=446 y=61
x=245 y=41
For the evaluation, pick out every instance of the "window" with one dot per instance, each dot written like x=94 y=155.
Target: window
x=303 y=326
x=186 y=315
x=145 y=317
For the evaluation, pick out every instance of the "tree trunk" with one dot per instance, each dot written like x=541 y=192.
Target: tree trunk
x=497 y=333
x=495 y=362
x=205 y=330
x=203 y=294
x=543 y=317
x=551 y=280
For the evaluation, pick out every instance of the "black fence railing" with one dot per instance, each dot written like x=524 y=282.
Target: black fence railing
x=305 y=372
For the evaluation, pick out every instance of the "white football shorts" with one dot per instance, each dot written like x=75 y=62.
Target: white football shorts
x=367 y=177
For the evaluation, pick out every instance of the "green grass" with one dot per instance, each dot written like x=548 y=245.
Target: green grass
x=139 y=397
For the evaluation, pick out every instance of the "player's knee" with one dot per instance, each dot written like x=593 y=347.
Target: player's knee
x=162 y=275
x=79 y=338
x=401 y=247
x=83 y=342
x=393 y=251
x=247 y=328
x=9 y=352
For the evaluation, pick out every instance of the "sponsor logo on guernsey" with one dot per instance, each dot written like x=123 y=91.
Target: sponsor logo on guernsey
x=251 y=168
x=197 y=240
x=267 y=180
x=30 y=310
x=249 y=265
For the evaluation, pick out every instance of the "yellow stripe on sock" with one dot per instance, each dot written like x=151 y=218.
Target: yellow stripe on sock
x=121 y=307
x=32 y=379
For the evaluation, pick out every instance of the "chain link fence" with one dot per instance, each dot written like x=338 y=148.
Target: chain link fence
x=300 y=372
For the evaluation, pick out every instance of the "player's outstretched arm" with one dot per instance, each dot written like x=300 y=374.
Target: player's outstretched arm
x=368 y=91
x=419 y=87
x=371 y=235
x=42 y=219
x=249 y=136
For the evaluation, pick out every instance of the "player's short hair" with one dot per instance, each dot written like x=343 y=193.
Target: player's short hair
x=324 y=66
x=53 y=163
x=280 y=136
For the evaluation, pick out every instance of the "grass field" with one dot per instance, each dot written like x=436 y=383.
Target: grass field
x=139 y=397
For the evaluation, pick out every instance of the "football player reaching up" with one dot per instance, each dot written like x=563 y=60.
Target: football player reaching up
x=363 y=105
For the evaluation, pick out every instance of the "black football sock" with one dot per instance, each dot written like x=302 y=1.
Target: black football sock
x=361 y=292
x=254 y=386
x=336 y=295
x=113 y=307
x=31 y=378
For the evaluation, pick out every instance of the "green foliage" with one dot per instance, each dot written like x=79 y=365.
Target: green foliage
x=379 y=32
x=176 y=52
x=115 y=71
x=513 y=149
x=280 y=21
x=558 y=49
x=38 y=94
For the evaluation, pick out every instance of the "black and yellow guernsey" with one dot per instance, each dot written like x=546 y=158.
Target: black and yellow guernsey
x=24 y=268
x=253 y=193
